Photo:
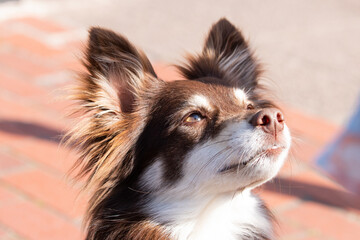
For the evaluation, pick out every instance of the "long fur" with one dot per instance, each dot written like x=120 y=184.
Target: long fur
x=141 y=155
x=107 y=130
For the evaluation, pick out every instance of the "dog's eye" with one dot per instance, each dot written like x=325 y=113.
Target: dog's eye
x=194 y=118
x=249 y=106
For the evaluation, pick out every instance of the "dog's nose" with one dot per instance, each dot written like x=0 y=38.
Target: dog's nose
x=271 y=120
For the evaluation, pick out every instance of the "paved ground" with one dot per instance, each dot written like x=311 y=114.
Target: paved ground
x=38 y=202
x=310 y=48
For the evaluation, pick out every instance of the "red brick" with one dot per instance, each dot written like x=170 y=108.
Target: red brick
x=48 y=153
x=13 y=110
x=6 y=196
x=315 y=238
x=11 y=135
x=275 y=200
x=2 y=234
x=27 y=113
x=167 y=72
x=62 y=108
x=20 y=87
x=33 y=222
x=310 y=176
x=316 y=129
x=44 y=25
x=21 y=65
x=326 y=220
x=30 y=113
x=49 y=190
x=306 y=150
x=11 y=236
x=319 y=188
x=6 y=235
x=291 y=166
x=74 y=66
x=7 y=139
x=31 y=45
x=287 y=229
x=75 y=46
x=72 y=62
x=8 y=162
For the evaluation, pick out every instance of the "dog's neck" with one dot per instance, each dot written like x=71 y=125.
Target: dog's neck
x=229 y=216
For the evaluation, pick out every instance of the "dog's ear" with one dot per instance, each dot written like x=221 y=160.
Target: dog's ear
x=109 y=92
x=123 y=67
x=225 y=55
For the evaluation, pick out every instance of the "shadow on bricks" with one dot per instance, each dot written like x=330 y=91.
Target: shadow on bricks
x=31 y=130
x=313 y=192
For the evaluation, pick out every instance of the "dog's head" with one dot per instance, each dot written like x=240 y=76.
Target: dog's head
x=212 y=132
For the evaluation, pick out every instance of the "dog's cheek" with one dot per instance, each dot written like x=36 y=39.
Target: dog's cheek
x=152 y=179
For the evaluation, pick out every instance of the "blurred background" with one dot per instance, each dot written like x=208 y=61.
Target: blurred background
x=309 y=49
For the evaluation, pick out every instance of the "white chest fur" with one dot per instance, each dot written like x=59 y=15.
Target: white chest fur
x=226 y=216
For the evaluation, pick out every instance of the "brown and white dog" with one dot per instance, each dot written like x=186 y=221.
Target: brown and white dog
x=176 y=160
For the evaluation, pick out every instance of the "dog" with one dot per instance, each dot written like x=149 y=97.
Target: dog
x=178 y=159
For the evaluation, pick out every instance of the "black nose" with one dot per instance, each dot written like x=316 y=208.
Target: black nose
x=271 y=120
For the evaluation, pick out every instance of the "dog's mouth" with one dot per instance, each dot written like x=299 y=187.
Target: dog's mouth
x=273 y=151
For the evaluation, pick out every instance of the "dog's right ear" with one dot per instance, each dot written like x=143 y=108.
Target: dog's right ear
x=108 y=95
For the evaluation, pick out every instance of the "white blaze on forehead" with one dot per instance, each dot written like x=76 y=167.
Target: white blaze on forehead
x=200 y=101
x=240 y=95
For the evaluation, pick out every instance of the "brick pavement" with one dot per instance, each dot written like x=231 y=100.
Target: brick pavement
x=38 y=201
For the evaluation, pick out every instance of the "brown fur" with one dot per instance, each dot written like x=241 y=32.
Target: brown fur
x=114 y=96
x=142 y=230
x=109 y=126
x=224 y=44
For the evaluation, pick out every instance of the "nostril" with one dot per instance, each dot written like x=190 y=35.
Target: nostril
x=265 y=120
x=279 y=117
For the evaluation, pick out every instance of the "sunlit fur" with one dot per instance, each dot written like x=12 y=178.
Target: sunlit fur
x=195 y=204
x=151 y=173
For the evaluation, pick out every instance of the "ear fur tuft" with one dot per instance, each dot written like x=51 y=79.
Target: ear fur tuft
x=111 y=119
x=226 y=56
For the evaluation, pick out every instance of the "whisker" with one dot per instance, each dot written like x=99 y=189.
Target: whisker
x=225 y=160
x=214 y=143
x=209 y=161
x=238 y=168
x=218 y=142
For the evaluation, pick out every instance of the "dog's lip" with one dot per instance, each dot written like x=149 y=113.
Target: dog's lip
x=273 y=150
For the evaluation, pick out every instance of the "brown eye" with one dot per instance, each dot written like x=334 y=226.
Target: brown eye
x=194 y=118
x=250 y=106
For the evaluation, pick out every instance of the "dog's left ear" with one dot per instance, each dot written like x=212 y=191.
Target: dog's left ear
x=225 y=55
